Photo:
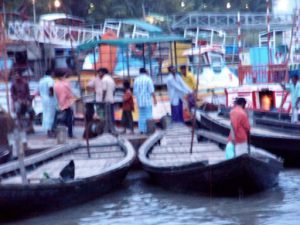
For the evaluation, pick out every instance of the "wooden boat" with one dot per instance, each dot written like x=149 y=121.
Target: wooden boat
x=109 y=161
x=4 y=154
x=275 y=139
x=273 y=120
x=166 y=157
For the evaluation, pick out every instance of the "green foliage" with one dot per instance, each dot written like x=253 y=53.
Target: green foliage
x=98 y=10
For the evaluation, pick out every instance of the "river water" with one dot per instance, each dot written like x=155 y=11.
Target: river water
x=140 y=202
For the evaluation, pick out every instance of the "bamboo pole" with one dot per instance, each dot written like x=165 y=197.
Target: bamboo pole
x=20 y=152
x=74 y=56
x=287 y=59
x=197 y=89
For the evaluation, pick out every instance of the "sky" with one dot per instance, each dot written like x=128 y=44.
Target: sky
x=285 y=6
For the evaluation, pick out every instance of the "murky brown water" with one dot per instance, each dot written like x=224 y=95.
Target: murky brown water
x=139 y=202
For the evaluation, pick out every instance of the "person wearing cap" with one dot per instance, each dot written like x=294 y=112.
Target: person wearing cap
x=177 y=91
x=240 y=127
x=294 y=89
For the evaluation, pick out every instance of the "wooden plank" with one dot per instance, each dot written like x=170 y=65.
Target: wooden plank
x=203 y=147
x=185 y=157
x=94 y=156
x=83 y=168
x=212 y=136
x=186 y=160
x=178 y=140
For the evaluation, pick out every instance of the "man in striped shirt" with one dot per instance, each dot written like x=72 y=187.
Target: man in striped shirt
x=143 y=89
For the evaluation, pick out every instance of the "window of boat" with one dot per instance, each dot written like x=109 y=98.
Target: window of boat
x=216 y=59
x=195 y=61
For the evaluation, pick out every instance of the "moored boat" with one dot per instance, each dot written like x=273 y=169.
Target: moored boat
x=166 y=157
x=4 y=154
x=64 y=175
x=275 y=139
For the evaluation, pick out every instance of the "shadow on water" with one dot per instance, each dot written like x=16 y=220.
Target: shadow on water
x=139 y=202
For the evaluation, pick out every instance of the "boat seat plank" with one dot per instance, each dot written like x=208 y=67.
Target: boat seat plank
x=95 y=156
x=182 y=161
x=185 y=148
x=212 y=136
x=179 y=140
x=83 y=168
x=184 y=156
x=95 y=150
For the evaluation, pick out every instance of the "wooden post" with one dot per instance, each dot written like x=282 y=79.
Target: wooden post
x=20 y=152
x=287 y=59
x=175 y=53
x=197 y=89
x=150 y=60
x=80 y=85
x=127 y=60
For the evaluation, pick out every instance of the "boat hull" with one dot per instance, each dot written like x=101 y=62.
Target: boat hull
x=20 y=200
x=245 y=174
x=241 y=175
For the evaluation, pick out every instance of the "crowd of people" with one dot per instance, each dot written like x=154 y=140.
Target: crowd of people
x=58 y=99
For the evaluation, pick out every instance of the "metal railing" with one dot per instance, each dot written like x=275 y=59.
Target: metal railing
x=229 y=20
x=51 y=34
x=263 y=74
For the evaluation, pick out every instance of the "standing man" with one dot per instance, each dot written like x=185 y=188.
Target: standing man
x=48 y=101
x=294 y=89
x=96 y=85
x=22 y=101
x=65 y=99
x=143 y=89
x=109 y=87
x=188 y=78
x=240 y=127
x=177 y=91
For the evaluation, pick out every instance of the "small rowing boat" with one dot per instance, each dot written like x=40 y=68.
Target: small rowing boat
x=167 y=158
x=64 y=175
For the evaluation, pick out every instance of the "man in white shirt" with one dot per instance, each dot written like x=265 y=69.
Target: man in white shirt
x=177 y=90
x=48 y=101
x=96 y=85
x=109 y=87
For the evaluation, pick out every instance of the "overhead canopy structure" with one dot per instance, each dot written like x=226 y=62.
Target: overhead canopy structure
x=128 y=41
x=142 y=24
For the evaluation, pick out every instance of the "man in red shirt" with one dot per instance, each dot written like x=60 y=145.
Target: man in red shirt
x=240 y=127
x=65 y=99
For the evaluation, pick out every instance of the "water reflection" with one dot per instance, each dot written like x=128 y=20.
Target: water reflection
x=140 y=203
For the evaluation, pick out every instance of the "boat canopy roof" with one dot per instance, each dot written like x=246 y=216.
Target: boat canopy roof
x=128 y=41
x=142 y=24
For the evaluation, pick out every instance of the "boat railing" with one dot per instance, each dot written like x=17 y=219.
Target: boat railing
x=262 y=74
x=51 y=34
